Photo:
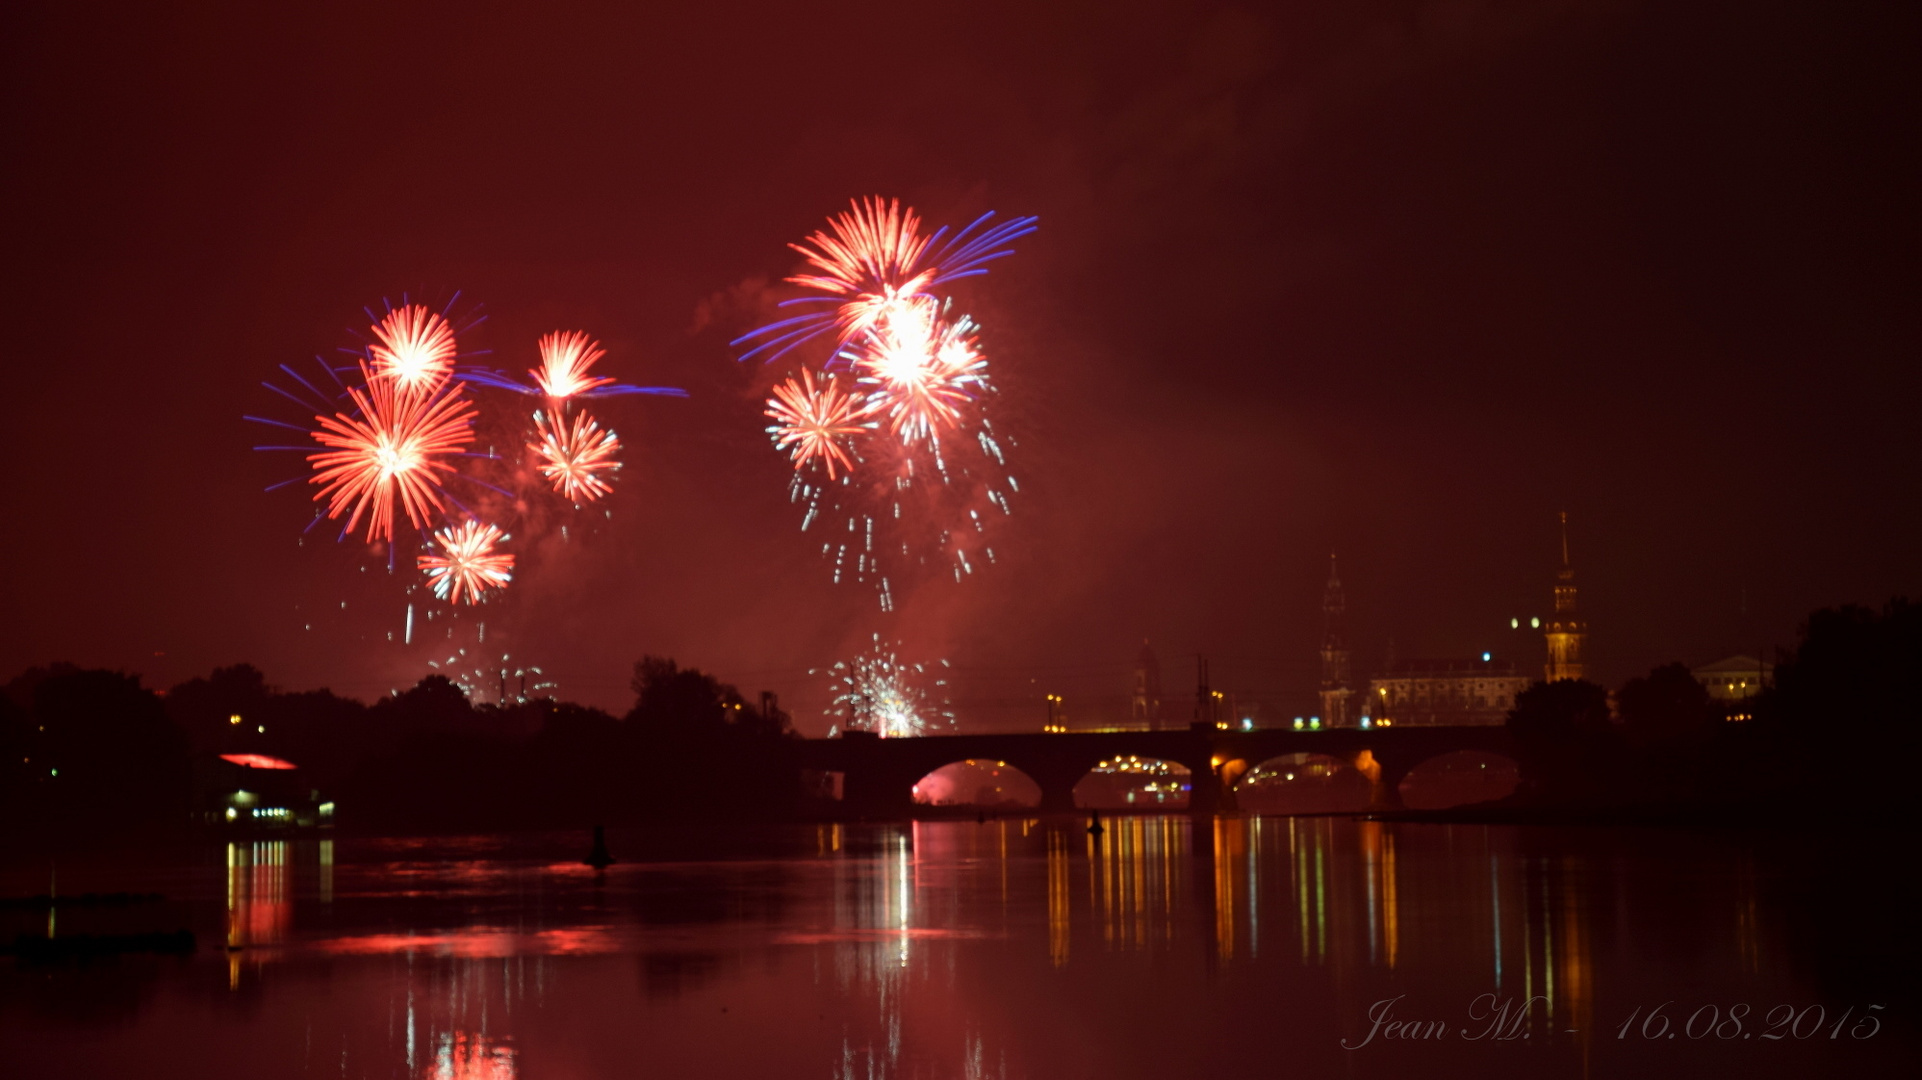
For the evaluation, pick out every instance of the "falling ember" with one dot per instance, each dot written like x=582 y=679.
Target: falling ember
x=391 y=449
x=922 y=368
x=468 y=565
x=811 y=422
x=415 y=348
x=565 y=358
x=574 y=456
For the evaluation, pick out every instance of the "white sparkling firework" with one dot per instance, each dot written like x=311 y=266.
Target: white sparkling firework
x=879 y=693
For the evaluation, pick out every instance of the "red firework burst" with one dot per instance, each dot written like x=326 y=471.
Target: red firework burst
x=812 y=422
x=574 y=457
x=565 y=358
x=468 y=565
x=392 y=450
x=415 y=348
x=871 y=259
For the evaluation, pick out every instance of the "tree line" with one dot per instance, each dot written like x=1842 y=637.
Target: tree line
x=95 y=750
x=1835 y=728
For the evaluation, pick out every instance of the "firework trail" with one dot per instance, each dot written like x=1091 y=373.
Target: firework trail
x=469 y=565
x=573 y=457
x=813 y=422
x=414 y=348
x=879 y=693
x=392 y=448
x=871 y=262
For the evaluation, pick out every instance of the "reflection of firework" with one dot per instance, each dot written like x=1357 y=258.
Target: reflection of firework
x=413 y=347
x=468 y=565
x=395 y=448
x=573 y=457
x=878 y=693
x=873 y=261
x=812 y=422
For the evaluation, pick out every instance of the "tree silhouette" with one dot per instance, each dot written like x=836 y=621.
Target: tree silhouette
x=1667 y=708
x=1563 y=737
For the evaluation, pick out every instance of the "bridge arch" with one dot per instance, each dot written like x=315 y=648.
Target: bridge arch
x=1303 y=783
x=1134 y=782
x=988 y=784
x=1459 y=778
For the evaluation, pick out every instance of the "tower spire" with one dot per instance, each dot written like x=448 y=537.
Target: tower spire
x=1335 y=692
x=1567 y=631
x=1146 y=703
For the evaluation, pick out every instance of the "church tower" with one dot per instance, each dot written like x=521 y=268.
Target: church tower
x=1567 y=632
x=1146 y=700
x=1336 y=695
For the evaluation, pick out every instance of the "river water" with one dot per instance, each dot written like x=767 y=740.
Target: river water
x=1237 y=947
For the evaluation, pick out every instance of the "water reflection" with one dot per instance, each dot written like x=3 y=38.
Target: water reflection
x=462 y=1055
x=1132 y=868
x=1013 y=948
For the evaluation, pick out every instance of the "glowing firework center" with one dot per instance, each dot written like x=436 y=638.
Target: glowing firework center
x=878 y=694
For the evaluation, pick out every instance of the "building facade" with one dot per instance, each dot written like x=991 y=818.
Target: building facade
x=1445 y=693
x=1734 y=679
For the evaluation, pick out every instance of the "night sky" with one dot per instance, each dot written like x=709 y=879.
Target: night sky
x=1399 y=280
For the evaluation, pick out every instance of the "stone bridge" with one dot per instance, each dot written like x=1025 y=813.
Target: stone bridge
x=878 y=775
